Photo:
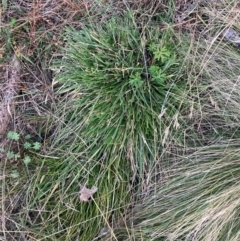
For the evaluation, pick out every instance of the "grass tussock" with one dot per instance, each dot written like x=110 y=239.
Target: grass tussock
x=200 y=202
x=127 y=89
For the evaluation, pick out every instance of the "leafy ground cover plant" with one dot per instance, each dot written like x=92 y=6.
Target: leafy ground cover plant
x=19 y=150
x=28 y=145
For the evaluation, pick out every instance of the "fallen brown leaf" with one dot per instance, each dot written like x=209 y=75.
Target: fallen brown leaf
x=85 y=194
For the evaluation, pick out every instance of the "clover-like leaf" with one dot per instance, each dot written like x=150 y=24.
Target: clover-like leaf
x=36 y=146
x=10 y=155
x=27 y=137
x=12 y=135
x=15 y=174
x=27 y=145
x=27 y=160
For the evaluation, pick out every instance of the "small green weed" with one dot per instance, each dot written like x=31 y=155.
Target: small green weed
x=15 y=174
x=28 y=146
x=12 y=135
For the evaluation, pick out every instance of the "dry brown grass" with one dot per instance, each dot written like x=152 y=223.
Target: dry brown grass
x=32 y=31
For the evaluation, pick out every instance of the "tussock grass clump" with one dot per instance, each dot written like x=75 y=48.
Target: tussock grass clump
x=201 y=202
x=126 y=90
x=123 y=91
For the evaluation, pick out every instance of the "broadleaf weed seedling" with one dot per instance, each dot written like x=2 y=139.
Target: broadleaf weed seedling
x=161 y=53
x=28 y=145
x=12 y=135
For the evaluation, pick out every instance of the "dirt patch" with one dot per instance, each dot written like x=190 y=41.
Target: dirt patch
x=8 y=92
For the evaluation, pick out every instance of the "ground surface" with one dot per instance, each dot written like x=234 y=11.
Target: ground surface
x=60 y=177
